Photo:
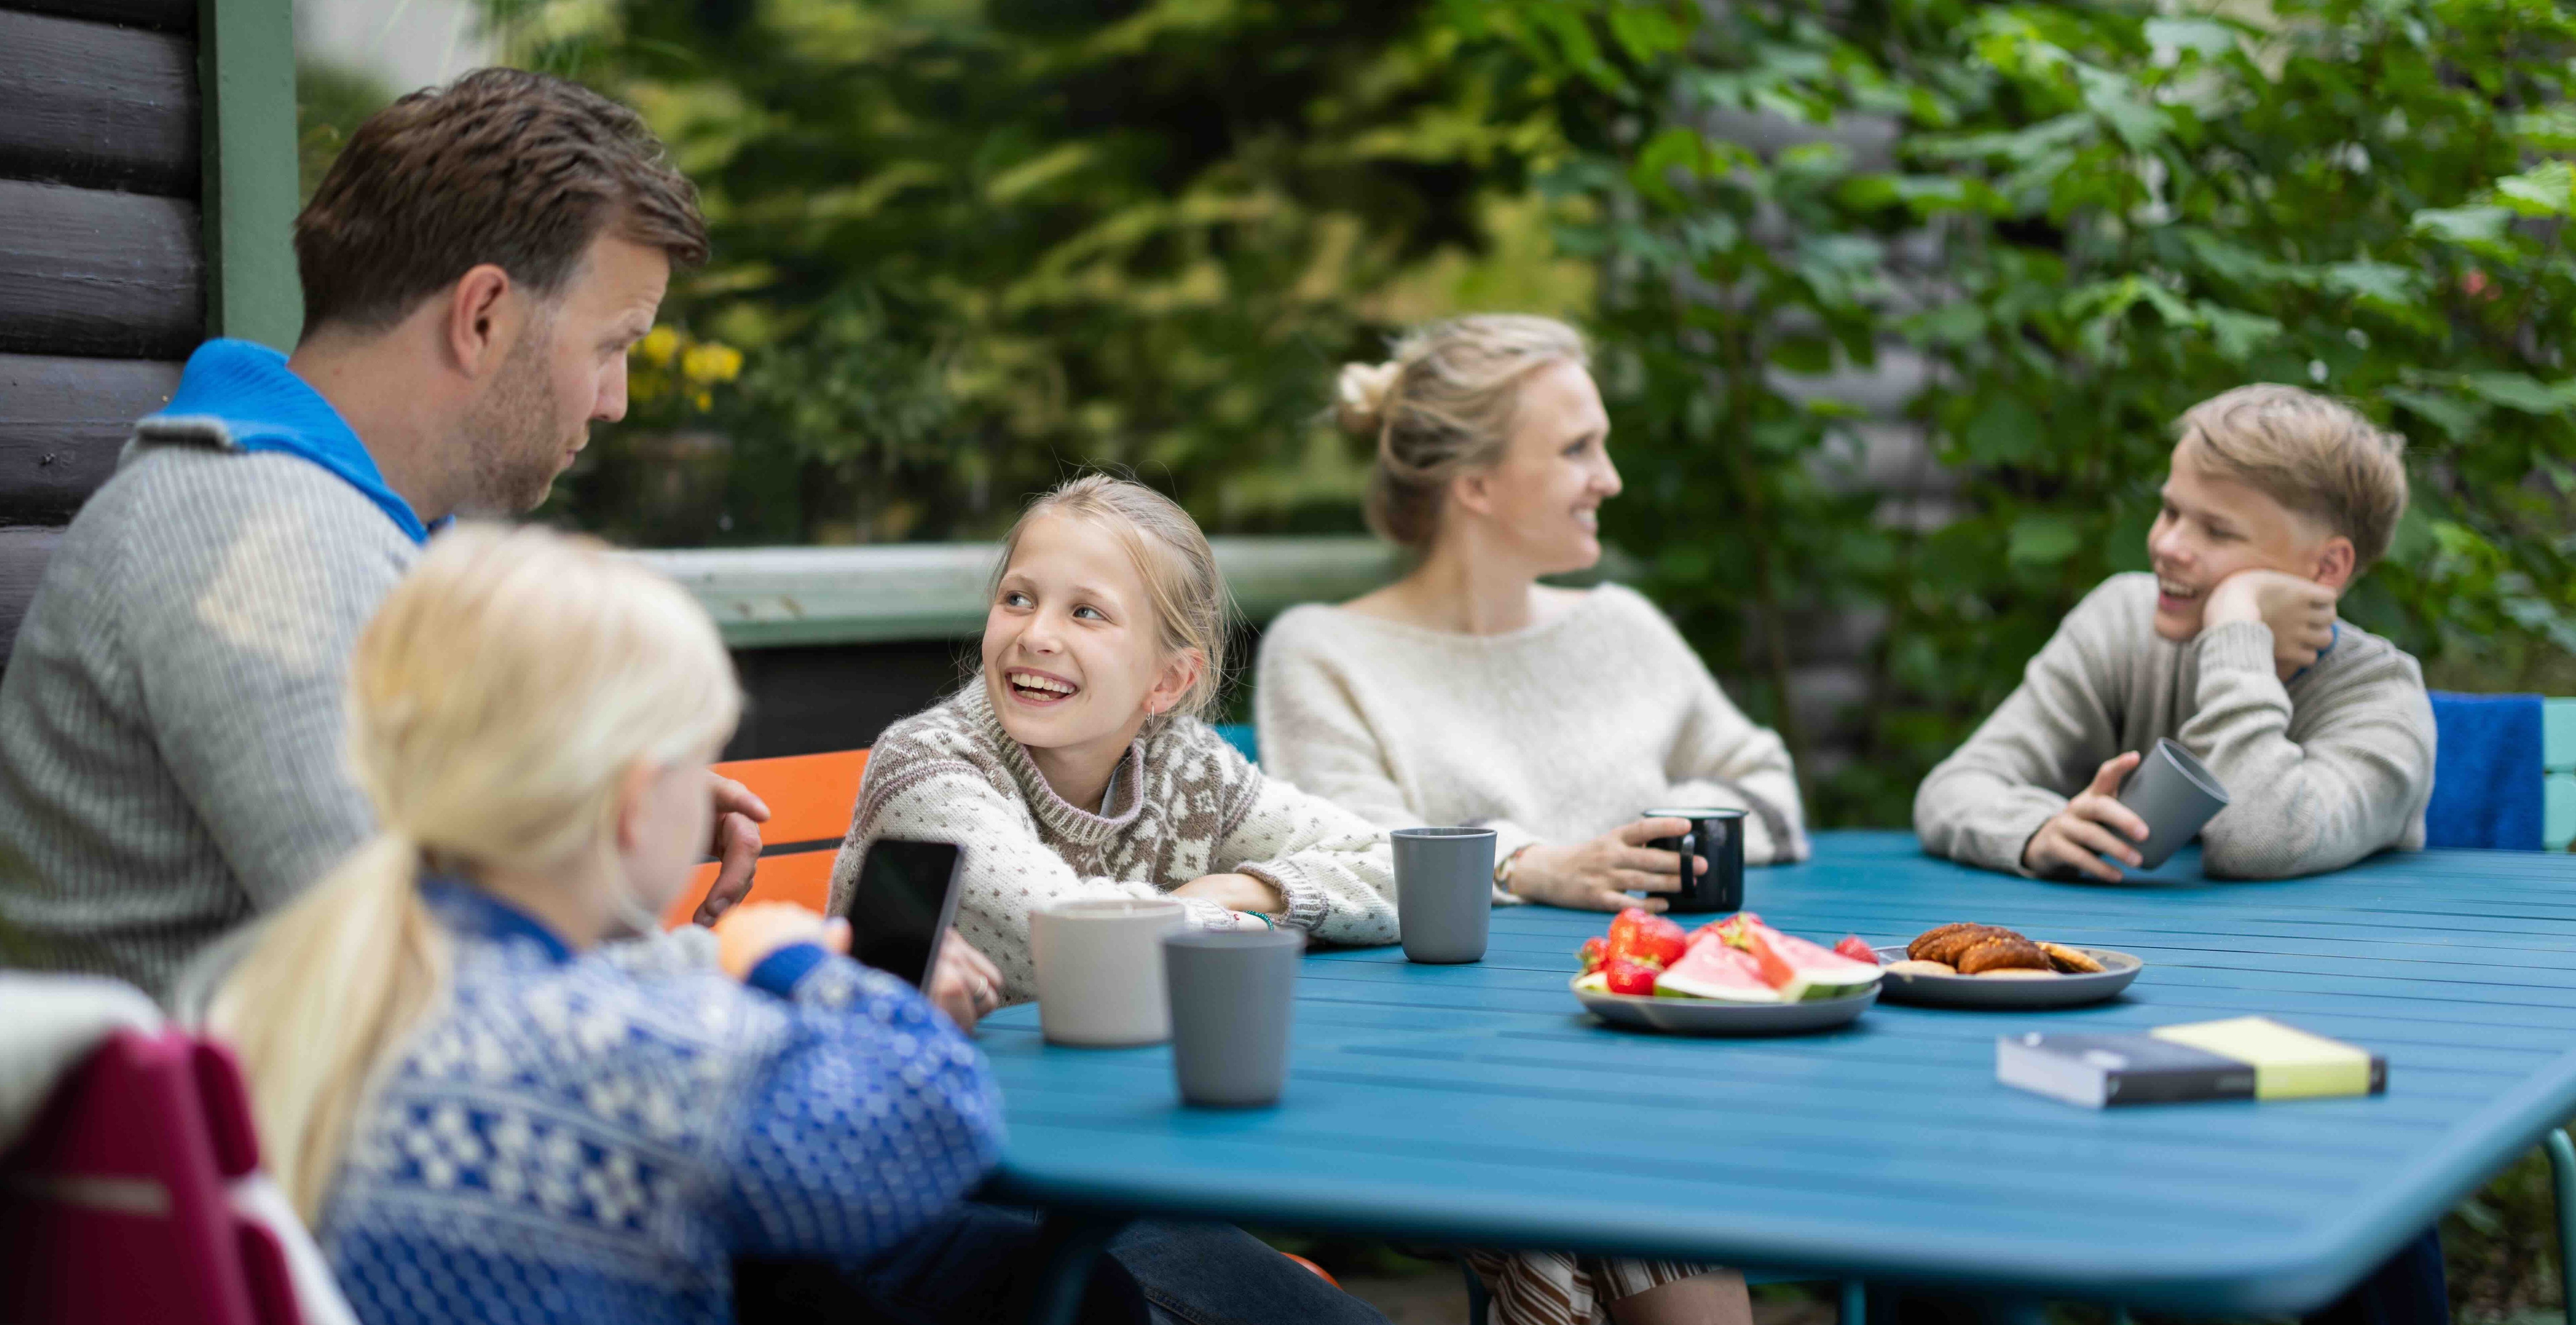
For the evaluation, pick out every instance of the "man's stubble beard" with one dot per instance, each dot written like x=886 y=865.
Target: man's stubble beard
x=509 y=437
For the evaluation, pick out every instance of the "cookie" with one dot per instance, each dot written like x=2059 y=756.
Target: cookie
x=2001 y=952
x=1954 y=946
x=1930 y=936
x=2073 y=961
x=1917 y=966
x=2016 y=973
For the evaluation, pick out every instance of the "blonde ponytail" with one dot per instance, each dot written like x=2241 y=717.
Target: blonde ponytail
x=494 y=703
x=347 y=969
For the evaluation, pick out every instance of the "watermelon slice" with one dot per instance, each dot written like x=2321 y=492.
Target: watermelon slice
x=1714 y=970
x=1801 y=971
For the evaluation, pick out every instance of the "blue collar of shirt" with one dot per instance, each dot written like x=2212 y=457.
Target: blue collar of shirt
x=470 y=910
x=2331 y=640
x=248 y=393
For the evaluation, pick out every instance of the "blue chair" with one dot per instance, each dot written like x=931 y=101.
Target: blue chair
x=2504 y=777
x=1243 y=737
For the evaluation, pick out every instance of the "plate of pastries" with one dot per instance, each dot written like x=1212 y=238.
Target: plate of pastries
x=1969 y=965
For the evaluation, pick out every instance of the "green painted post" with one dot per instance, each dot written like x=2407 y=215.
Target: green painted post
x=246 y=74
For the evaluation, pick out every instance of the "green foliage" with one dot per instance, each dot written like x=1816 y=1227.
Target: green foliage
x=964 y=246
x=330 y=103
x=2084 y=218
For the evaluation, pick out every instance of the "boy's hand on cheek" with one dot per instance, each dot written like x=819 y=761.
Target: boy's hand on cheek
x=2300 y=613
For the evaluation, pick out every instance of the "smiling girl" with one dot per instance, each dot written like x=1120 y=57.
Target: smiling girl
x=1076 y=766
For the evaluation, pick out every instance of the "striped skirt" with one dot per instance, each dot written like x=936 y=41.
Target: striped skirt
x=1562 y=1288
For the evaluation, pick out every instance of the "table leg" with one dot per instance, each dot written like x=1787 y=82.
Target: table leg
x=1071 y=1244
x=1855 y=1304
x=2562 y=1171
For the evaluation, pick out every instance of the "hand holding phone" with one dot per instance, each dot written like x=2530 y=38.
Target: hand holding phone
x=900 y=909
x=964 y=983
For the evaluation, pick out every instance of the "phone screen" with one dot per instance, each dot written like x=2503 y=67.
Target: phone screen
x=900 y=908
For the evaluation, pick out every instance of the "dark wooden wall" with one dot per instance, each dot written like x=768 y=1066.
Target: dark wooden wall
x=102 y=266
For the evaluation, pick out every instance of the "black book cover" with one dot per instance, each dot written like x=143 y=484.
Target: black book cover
x=2099 y=1071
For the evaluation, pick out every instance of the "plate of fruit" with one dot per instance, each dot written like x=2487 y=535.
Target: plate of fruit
x=1735 y=976
x=1989 y=966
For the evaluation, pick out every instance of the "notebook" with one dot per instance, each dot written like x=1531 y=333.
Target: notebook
x=2244 y=1058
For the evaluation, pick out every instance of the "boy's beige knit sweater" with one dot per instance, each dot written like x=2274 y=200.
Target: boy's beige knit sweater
x=2320 y=772
x=1557 y=733
x=1188 y=805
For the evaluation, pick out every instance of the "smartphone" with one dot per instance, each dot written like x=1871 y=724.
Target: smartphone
x=901 y=908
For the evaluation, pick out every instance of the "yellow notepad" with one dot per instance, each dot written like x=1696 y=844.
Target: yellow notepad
x=2288 y=1063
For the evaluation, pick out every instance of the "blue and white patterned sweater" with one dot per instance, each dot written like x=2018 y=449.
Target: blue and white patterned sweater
x=593 y=1137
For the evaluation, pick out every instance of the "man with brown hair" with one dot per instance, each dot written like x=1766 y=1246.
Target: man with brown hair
x=2277 y=500
x=474 y=267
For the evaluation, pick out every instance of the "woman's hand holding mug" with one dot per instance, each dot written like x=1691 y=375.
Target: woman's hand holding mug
x=1598 y=875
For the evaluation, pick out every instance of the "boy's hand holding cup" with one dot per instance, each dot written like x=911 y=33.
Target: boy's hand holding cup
x=2299 y=611
x=2159 y=808
x=2093 y=825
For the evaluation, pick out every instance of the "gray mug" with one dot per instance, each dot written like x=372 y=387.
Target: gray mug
x=1444 y=892
x=1231 y=999
x=2175 y=795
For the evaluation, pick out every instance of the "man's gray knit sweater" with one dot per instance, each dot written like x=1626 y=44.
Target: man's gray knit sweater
x=170 y=719
x=2321 y=771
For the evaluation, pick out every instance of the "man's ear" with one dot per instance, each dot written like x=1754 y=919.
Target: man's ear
x=481 y=319
x=2335 y=563
x=1179 y=674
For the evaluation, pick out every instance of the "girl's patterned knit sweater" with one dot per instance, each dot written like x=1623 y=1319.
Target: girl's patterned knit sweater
x=1188 y=806
x=594 y=1136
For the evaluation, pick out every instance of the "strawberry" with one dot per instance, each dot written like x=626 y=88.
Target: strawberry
x=1593 y=953
x=1855 y=948
x=1646 y=938
x=1627 y=977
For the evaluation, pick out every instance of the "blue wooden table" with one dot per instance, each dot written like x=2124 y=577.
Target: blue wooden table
x=1478 y=1105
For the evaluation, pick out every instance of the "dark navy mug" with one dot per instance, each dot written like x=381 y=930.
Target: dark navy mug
x=1716 y=836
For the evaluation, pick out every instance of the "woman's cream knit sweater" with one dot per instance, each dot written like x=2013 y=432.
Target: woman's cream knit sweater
x=1556 y=733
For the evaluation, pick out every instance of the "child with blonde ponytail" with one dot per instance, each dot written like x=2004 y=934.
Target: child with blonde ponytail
x=488 y=1114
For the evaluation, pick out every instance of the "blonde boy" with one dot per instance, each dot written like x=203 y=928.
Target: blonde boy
x=2277 y=500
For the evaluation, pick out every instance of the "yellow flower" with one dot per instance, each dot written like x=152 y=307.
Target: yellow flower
x=706 y=400
x=658 y=346
x=711 y=362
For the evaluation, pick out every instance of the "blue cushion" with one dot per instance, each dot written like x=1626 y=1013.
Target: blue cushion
x=1240 y=735
x=2486 y=772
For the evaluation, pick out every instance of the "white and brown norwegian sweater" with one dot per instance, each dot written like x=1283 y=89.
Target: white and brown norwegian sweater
x=1189 y=806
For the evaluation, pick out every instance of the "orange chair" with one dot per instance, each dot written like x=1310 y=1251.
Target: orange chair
x=810 y=798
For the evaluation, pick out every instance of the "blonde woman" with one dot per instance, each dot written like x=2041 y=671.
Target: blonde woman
x=1076 y=765
x=488 y=1110
x=1468 y=692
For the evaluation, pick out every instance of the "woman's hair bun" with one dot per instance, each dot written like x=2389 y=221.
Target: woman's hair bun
x=1359 y=397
